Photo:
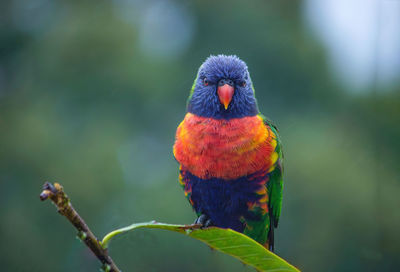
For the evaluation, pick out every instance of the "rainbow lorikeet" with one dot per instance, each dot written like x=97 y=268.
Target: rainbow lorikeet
x=230 y=155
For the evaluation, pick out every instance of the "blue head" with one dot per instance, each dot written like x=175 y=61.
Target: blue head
x=223 y=89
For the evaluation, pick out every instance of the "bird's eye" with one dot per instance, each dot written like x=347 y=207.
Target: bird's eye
x=205 y=80
x=243 y=83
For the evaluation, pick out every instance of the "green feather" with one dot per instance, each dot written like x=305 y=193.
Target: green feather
x=260 y=230
x=275 y=183
x=193 y=86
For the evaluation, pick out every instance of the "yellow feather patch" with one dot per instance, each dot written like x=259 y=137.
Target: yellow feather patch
x=181 y=180
x=274 y=158
x=272 y=168
x=180 y=175
x=264 y=199
x=262 y=191
x=274 y=143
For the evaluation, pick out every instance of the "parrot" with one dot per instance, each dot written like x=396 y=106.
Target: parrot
x=230 y=156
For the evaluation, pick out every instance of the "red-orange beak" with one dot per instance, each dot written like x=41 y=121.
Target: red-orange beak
x=225 y=94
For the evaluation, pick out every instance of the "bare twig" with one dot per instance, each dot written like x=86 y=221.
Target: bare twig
x=56 y=194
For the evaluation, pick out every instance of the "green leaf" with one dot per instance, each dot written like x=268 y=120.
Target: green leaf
x=227 y=241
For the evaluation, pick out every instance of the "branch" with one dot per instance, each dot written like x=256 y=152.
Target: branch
x=56 y=194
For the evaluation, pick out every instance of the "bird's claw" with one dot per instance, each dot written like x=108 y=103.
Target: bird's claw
x=204 y=220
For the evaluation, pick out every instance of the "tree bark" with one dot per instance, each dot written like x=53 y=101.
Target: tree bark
x=56 y=194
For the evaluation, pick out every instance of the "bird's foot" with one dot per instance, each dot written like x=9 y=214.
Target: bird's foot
x=204 y=220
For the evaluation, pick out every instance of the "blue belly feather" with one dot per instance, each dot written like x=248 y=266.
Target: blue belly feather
x=224 y=201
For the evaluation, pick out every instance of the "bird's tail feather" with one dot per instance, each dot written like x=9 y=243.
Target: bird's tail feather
x=270 y=241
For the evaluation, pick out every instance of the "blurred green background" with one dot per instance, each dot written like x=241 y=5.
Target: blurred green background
x=91 y=93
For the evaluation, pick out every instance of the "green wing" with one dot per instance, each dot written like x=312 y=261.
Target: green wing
x=262 y=229
x=275 y=186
